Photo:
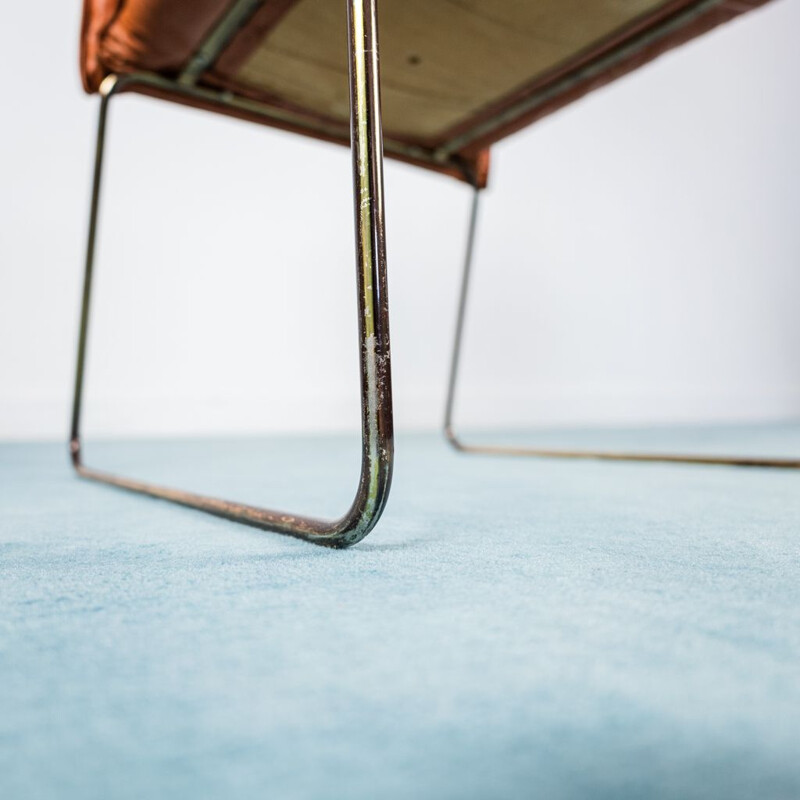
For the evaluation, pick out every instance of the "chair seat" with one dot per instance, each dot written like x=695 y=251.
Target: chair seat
x=457 y=75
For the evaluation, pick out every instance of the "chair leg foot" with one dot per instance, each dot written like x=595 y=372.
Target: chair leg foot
x=453 y=438
x=373 y=314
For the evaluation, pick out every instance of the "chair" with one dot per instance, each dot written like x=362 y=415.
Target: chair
x=457 y=76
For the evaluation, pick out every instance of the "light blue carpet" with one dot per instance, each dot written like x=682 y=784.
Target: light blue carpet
x=512 y=629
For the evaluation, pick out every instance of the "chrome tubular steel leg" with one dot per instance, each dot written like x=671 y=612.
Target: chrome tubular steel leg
x=455 y=358
x=458 y=444
x=376 y=387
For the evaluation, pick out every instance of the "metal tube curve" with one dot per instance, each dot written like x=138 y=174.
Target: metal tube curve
x=374 y=351
x=457 y=443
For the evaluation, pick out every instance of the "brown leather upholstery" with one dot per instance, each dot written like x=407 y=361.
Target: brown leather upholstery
x=153 y=35
x=457 y=75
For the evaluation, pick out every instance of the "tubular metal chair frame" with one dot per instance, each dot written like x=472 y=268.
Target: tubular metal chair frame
x=609 y=455
x=373 y=310
x=367 y=145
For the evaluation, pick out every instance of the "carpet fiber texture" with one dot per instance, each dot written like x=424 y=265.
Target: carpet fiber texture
x=512 y=629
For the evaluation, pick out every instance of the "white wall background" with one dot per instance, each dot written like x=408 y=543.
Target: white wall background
x=639 y=258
